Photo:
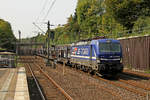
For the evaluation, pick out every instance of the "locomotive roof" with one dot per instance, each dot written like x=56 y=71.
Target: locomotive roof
x=7 y=53
x=87 y=41
x=93 y=41
x=105 y=40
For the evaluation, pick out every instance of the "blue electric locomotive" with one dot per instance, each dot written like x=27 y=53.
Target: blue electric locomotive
x=101 y=55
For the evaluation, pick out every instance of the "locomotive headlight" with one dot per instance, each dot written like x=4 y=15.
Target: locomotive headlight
x=98 y=60
x=120 y=60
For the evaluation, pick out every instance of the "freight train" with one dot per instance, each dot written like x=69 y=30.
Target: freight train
x=100 y=55
x=97 y=55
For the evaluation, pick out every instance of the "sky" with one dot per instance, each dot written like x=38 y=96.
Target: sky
x=21 y=14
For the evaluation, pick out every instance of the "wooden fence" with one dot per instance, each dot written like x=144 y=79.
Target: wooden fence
x=136 y=52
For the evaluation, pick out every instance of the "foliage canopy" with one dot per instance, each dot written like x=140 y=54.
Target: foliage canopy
x=110 y=18
x=6 y=35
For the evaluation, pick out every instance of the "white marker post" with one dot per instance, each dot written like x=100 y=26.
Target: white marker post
x=63 y=68
x=147 y=97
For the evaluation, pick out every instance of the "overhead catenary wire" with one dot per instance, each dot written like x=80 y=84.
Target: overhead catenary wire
x=44 y=6
x=42 y=10
x=38 y=28
x=49 y=10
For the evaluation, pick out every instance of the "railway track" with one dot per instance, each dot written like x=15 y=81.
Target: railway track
x=134 y=73
x=110 y=91
x=133 y=90
x=130 y=82
x=119 y=84
x=50 y=88
x=104 y=89
x=68 y=97
x=37 y=84
x=133 y=83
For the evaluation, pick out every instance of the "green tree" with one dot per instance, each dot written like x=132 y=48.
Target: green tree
x=110 y=18
x=127 y=12
x=7 y=37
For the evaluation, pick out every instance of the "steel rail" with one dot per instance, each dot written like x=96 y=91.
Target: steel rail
x=133 y=83
x=124 y=87
x=61 y=89
x=137 y=74
x=109 y=91
x=106 y=90
x=41 y=93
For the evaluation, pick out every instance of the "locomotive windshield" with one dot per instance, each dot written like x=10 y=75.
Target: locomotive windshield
x=110 y=47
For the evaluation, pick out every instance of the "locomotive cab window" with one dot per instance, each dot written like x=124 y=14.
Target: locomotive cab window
x=110 y=47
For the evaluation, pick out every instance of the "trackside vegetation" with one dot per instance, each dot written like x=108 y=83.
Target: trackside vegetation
x=7 y=37
x=110 y=18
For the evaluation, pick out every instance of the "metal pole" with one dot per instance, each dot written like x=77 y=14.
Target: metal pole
x=48 y=61
x=16 y=53
x=19 y=36
x=19 y=41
